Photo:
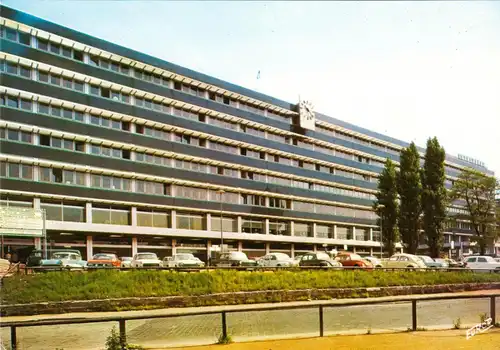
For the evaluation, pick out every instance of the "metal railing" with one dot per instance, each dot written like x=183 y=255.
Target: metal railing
x=223 y=311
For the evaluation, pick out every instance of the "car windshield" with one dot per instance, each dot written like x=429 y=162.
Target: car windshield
x=425 y=258
x=60 y=256
x=184 y=257
x=281 y=256
x=103 y=257
x=126 y=258
x=146 y=256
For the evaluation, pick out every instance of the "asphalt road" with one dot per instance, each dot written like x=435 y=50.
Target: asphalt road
x=245 y=326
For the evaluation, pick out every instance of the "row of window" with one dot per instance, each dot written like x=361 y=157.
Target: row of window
x=75 y=212
x=147 y=103
x=79 y=146
x=56 y=175
x=25 y=39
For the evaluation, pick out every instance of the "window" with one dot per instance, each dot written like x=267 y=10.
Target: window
x=150 y=187
x=228 y=224
x=252 y=199
x=279 y=203
x=250 y=225
x=187 y=221
x=153 y=219
x=26 y=104
x=12 y=101
x=191 y=192
x=16 y=170
x=302 y=230
x=25 y=72
x=281 y=228
x=324 y=231
x=110 y=216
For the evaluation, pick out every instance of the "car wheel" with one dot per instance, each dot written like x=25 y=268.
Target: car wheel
x=410 y=267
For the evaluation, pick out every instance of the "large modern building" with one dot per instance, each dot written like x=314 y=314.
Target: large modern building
x=126 y=152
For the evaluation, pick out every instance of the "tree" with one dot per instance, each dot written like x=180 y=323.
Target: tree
x=410 y=195
x=386 y=206
x=476 y=191
x=434 y=196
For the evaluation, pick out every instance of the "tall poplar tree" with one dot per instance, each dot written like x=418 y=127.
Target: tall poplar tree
x=386 y=206
x=410 y=193
x=434 y=196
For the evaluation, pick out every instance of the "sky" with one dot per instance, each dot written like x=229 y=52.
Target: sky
x=410 y=70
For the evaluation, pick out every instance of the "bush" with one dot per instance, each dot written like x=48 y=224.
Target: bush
x=457 y=323
x=103 y=284
x=113 y=342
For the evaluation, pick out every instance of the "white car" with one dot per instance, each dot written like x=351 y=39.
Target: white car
x=275 y=260
x=482 y=263
x=404 y=261
x=146 y=260
x=376 y=262
x=182 y=260
x=126 y=261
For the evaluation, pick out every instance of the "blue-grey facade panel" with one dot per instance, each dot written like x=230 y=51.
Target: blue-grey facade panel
x=58 y=155
x=108 y=104
x=149 y=142
x=119 y=196
x=65 y=32
x=66 y=63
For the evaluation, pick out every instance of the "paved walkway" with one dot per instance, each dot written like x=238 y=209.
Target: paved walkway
x=430 y=340
x=251 y=325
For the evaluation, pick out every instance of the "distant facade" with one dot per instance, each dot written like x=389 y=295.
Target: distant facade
x=127 y=153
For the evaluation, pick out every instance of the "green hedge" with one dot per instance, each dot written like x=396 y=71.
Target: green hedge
x=60 y=286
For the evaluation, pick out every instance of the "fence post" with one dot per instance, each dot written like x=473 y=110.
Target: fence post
x=224 y=325
x=493 y=309
x=414 y=315
x=321 y=324
x=123 y=334
x=13 y=338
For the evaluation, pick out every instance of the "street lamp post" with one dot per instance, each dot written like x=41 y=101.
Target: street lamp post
x=221 y=192
x=381 y=234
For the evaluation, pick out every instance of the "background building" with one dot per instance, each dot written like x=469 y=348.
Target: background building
x=126 y=152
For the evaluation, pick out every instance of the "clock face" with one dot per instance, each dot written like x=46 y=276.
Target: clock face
x=306 y=110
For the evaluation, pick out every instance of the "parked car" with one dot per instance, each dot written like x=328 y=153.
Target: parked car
x=296 y=260
x=275 y=260
x=454 y=263
x=353 y=260
x=64 y=259
x=430 y=262
x=318 y=259
x=126 y=261
x=481 y=263
x=444 y=262
x=104 y=260
x=402 y=260
x=145 y=260
x=182 y=260
x=376 y=262
x=234 y=259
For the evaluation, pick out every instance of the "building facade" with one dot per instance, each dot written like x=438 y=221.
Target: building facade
x=126 y=152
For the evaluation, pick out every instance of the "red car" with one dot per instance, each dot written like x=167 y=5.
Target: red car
x=104 y=260
x=352 y=259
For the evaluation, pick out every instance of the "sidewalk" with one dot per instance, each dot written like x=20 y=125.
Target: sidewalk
x=438 y=340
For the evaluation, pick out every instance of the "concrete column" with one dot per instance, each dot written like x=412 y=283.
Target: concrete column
x=334 y=231
x=371 y=233
x=38 y=243
x=174 y=249
x=36 y=203
x=173 y=219
x=266 y=226
x=87 y=178
x=314 y=248
x=240 y=246
x=292 y=228
x=292 y=251
x=88 y=213
x=90 y=250
x=209 y=246
x=134 y=246
x=239 y=224
x=209 y=222
x=268 y=248
x=371 y=251
x=353 y=233
x=133 y=128
x=133 y=216
x=314 y=229
x=354 y=249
